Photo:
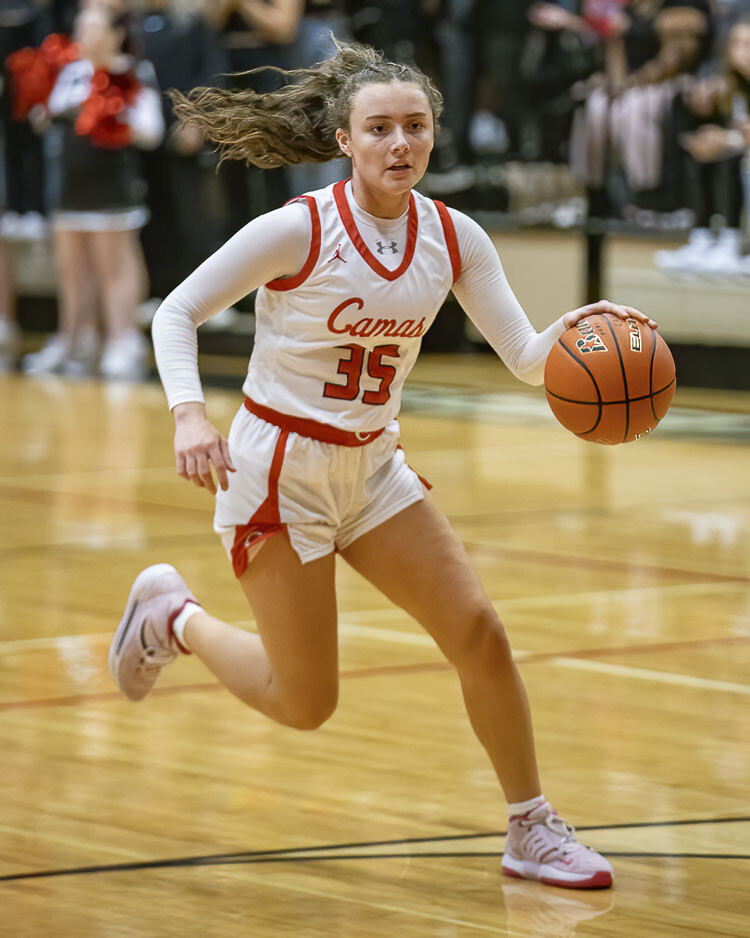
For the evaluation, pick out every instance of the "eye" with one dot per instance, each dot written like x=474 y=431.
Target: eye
x=377 y=128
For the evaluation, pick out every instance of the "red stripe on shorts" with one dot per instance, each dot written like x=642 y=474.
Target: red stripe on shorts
x=267 y=519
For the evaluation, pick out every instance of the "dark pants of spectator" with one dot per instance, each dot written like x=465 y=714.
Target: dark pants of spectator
x=187 y=221
x=715 y=189
x=24 y=169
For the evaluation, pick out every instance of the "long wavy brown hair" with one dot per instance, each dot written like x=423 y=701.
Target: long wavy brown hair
x=298 y=122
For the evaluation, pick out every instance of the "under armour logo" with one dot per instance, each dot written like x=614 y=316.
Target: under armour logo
x=337 y=256
x=382 y=247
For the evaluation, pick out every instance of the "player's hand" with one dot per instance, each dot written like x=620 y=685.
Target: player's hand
x=197 y=446
x=605 y=306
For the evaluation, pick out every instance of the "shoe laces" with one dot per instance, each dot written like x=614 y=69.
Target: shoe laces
x=560 y=828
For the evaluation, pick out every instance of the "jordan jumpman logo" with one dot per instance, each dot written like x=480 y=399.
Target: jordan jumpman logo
x=337 y=256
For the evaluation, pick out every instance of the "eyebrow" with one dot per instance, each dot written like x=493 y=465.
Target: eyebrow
x=380 y=117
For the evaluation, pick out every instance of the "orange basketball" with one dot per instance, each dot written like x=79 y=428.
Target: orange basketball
x=609 y=380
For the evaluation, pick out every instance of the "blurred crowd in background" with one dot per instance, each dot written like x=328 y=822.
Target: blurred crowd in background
x=634 y=111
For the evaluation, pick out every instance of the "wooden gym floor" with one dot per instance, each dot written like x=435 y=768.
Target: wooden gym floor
x=621 y=574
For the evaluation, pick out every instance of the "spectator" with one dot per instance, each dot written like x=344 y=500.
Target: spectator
x=101 y=205
x=717 y=161
x=313 y=43
x=22 y=188
x=254 y=34
x=181 y=232
x=500 y=31
x=23 y=24
x=564 y=48
x=627 y=110
x=10 y=337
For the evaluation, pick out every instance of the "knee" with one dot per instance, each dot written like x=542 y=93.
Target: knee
x=311 y=711
x=483 y=644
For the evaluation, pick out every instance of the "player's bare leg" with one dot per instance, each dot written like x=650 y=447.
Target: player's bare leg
x=289 y=671
x=442 y=592
x=417 y=560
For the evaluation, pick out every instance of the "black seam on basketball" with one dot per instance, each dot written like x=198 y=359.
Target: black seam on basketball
x=642 y=397
x=586 y=368
x=651 y=372
x=624 y=377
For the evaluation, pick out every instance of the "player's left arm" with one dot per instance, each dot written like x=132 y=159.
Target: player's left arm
x=488 y=300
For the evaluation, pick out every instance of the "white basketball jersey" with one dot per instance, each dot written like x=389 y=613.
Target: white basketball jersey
x=335 y=342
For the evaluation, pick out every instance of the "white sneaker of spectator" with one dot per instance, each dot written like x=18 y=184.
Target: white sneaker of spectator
x=8 y=223
x=125 y=357
x=685 y=262
x=705 y=255
x=83 y=360
x=31 y=226
x=10 y=344
x=723 y=258
x=77 y=359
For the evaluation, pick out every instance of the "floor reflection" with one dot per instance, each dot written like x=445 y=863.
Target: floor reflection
x=538 y=911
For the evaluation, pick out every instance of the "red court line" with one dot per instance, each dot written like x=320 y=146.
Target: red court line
x=387 y=670
x=48 y=496
x=601 y=563
x=86 y=500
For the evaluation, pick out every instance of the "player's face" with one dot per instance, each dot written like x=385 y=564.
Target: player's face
x=390 y=136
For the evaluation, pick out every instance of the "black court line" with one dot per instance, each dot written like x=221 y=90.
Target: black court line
x=293 y=854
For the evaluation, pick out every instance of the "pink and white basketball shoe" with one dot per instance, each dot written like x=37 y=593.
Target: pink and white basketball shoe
x=144 y=641
x=540 y=845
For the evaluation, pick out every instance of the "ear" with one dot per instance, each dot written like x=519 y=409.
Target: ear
x=342 y=138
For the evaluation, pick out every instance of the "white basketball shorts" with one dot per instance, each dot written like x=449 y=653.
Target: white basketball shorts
x=323 y=494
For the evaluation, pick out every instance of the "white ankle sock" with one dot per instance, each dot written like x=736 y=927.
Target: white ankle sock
x=523 y=807
x=180 y=621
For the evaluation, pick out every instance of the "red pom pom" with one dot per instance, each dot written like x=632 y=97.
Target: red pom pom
x=110 y=95
x=100 y=81
x=33 y=72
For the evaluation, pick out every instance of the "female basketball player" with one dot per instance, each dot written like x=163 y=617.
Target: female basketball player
x=350 y=277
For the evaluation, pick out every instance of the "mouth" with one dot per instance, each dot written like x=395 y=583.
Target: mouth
x=399 y=167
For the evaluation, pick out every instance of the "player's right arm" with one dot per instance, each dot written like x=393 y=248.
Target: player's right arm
x=270 y=246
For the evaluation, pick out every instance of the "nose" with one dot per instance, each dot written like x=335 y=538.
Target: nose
x=399 y=140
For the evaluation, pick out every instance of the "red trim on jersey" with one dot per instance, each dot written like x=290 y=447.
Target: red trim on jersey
x=311 y=428
x=267 y=519
x=289 y=283
x=449 y=230
x=347 y=218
